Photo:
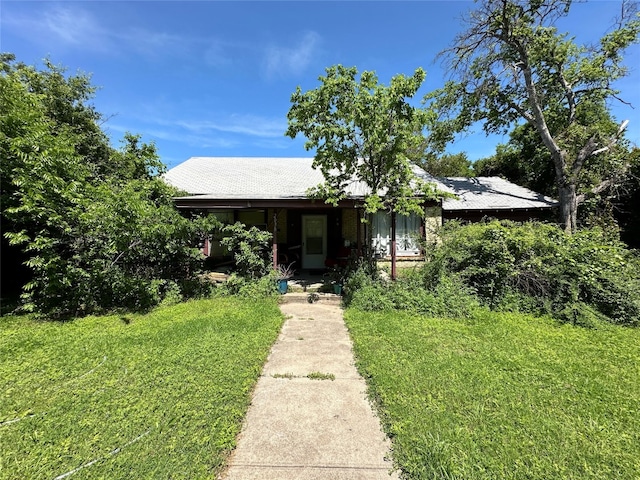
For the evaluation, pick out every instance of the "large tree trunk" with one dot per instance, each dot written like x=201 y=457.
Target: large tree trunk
x=568 y=206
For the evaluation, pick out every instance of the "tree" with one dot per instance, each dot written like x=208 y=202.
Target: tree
x=96 y=225
x=525 y=160
x=513 y=65
x=361 y=131
x=627 y=212
x=447 y=165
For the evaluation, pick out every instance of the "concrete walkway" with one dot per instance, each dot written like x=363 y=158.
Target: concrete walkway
x=303 y=428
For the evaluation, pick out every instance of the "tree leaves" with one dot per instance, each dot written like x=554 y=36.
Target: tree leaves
x=362 y=131
x=97 y=225
x=512 y=64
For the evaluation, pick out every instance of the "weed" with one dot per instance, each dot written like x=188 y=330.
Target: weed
x=321 y=376
x=288 y=376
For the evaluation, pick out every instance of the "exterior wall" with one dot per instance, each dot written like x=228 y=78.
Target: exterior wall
x=401 y=263
x=350 y=225
x=343 y=225
x=432 y=223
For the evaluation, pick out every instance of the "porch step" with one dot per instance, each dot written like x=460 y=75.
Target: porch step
x=311 y=297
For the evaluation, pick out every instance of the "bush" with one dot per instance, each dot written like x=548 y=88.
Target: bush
x=358 y=275
x=537 y=267
x=250 y=249
x=248 y=287
x=373 y=296
x=449 y=298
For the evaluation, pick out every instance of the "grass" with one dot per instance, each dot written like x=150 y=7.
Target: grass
x=321 y=376
x=160 y=395
x=503 y=396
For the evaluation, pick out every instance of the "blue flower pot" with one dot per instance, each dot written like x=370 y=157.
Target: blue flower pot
x=283 y=286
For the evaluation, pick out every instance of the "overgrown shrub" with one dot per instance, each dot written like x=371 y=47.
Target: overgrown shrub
x=250 y=249
x=358 y=274
x=97 y=225
x=449 y=298
x=265 y=286
x=536 y=266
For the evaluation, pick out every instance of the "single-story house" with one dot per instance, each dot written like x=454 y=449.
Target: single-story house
x=271 y=193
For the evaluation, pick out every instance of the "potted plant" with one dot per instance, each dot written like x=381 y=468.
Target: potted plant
x=283 y=274
x=336 y=276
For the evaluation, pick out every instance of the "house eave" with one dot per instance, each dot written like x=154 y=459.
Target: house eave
x=197 y=202
x=497 y=210
x=206 y=202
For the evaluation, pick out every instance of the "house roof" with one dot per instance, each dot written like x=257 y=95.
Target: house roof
x=276 y=179
x=492 y=193
x=235 y=178
x=240 y=178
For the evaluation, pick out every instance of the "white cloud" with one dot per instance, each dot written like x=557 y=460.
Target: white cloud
x=70 y=27
x=74 y=27
x=219 y=133
x=251 y=125
x=283 y=61
x=80 y=29
x=171 y=135
x=155 y=44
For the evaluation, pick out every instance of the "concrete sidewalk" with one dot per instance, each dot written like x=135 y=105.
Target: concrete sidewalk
x=303 y=428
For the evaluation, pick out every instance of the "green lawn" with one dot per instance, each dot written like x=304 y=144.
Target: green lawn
x=143 y=396
x=504 y=396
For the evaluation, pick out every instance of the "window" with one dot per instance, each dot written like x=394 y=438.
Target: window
x=215 y=249
x=407 y=234
x=253 y=218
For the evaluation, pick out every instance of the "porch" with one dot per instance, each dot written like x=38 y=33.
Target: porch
x=314 y=239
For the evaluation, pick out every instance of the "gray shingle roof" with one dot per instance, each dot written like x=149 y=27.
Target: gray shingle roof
x=231 y=177
x=492 y=193
x=253 y=178
x=236 y=178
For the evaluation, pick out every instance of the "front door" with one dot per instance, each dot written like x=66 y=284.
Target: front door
x=314 y=241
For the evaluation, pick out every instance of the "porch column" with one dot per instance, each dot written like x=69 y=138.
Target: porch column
x=359 y=231
x=275 y=239
x=393 y=245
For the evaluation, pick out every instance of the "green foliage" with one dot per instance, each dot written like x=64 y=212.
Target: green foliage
x=248 y=288
x=626 y=211
x=523 y=160
x=447 y=165
x=97 y=225
x=602 y=185
x=502 y=395
x=360 y=272
x=362 y=130
x=584 y=279
x=512 y=64
x=250 y=249
x=449 y=298
x=537 y=267
x=179 y=380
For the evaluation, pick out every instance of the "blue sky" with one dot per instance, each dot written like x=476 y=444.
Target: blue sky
x=214 y=78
